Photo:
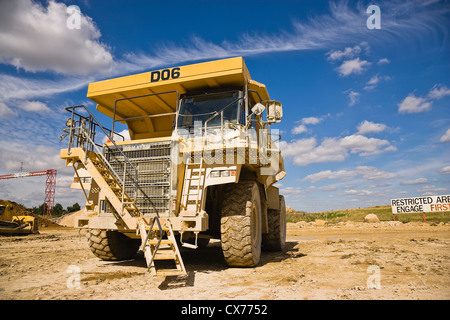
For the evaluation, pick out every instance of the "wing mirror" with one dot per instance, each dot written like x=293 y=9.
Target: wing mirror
x=258 y=109
x=274 y=111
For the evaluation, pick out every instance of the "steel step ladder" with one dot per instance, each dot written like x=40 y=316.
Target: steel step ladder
x=192 y=196
x=159 y=243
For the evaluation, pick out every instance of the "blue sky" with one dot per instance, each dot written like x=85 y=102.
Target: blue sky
x=366 y=111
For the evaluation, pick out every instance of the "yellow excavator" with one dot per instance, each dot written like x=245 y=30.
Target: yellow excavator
x=11 y=223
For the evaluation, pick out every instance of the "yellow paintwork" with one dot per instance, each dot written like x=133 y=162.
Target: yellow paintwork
x=208 y=75
x=8 y=215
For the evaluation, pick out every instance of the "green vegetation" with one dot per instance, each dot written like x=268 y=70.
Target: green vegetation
x=384 y=213
x=58 y=209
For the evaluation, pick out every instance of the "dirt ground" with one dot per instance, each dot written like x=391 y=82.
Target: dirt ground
x=383 y=260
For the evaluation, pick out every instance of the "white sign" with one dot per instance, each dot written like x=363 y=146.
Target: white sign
x=421 y=204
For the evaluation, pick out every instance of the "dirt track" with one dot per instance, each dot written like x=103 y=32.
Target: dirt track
x=320 y=262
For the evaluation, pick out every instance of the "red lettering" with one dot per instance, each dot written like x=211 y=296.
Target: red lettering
x=440 y=207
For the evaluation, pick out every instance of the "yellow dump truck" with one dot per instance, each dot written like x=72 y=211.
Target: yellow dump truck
x=199 y=164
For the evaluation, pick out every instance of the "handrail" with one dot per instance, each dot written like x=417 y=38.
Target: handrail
x=89 y=135
x=150 y=230
x=141 y=96
x=221 y=117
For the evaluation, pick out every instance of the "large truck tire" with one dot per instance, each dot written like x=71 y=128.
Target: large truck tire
x=241 y=224
x=275 y=239
x=112 y=245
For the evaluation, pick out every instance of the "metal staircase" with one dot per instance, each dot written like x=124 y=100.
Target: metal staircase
x=159 y=243
x=158 y=240
x=121 y=205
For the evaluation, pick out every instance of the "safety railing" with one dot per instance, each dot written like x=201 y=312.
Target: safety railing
x=201 y=132
x=82 y=133
x=217 y=113
x=115 y=117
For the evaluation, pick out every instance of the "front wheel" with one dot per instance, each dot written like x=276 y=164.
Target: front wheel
x=112 y=245
x=241 y=224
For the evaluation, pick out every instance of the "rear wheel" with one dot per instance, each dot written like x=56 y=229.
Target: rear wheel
x=112 y=245
x=275 y=239
x=241 y=224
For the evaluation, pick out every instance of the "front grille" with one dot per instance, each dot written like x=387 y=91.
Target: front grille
x=152 y=161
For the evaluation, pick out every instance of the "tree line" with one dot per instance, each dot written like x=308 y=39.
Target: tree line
x=58 y=209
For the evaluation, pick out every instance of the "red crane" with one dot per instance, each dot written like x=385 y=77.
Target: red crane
x=50 y=185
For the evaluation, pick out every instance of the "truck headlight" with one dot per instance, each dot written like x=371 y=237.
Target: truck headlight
x=225 y=173
x=215 y=174
x=222 y=173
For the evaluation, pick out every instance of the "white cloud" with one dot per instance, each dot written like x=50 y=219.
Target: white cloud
x=36 y=38
x=306 y=151
x=355 y=66
x=296 y=147
x=383 y=61
x=12 y=87
x=6 y=112
x=365 y=172
x=34 y=106
x=414 y=182
x=364 y=146
x=328 y=174
x=431 y=190
x=374 y=81
x=347 y=53
x=413 y=104
x=444 y=170
x=446 y=136
x=438 y=92
x=353 y=96
x=338 y=28
x=299 y=129
x=391 y=148
x=370 y=127
x=311 y=120
x=292 y=191
x=327 y=188
x=308 y=120
x=36 y=157
x=81 y=51
x=359 y=192
x=372 y=173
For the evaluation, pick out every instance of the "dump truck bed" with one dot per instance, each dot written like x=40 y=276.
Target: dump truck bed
x=156 y=93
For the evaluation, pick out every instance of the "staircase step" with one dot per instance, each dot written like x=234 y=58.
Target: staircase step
x=163 y=242
x=165 y=255
x=170 y=272
x=192 y=194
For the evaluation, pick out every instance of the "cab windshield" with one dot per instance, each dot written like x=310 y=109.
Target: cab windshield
x=208 y=107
